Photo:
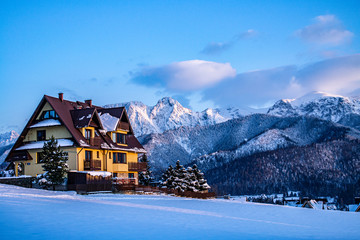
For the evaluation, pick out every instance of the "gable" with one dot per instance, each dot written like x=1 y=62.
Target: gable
x=46 y=107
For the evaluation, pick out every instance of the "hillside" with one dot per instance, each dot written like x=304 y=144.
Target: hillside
x=211 y=146
x=329 y=168
x=97 y=216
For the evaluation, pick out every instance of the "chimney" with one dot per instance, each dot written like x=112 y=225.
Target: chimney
x=89 y=102
x=61 y=96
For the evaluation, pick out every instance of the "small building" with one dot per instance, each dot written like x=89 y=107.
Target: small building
x=314 y=205
x=354 y=208
x=93 y=139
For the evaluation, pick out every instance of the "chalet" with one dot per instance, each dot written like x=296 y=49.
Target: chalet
x=93 y=139
x=314 y=204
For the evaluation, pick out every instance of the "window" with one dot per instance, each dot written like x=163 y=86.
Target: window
x=39 y=158
x=97 y=154
x=48 y=114
x=131 y=175
x=41 y=135
x=119 y=138
x=87 y=134
x=110 y=155
x=114 y=175
x=119 y=157
x=88 y=155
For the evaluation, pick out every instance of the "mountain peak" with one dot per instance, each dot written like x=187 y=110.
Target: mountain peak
x=168 y=101
x=313 y=96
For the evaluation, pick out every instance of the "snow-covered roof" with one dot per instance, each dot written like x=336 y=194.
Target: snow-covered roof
x=46 y=123
x=353 y=207
x=40 y=144
x=109 y=122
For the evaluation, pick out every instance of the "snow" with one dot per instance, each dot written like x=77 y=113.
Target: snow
x=109 y=122
x=84 y=144
x=353 y=207
x=40 y=144
x=313 y=96
x=46 y=123
x=169 y=114
x=40 y=214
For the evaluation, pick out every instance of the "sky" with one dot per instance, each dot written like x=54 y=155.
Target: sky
x=202 y=53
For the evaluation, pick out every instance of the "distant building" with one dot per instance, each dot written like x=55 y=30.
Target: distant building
x=93 y=138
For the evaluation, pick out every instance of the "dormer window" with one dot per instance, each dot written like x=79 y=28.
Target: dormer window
x=51 y=114
x=87 y=134
x=119 y=138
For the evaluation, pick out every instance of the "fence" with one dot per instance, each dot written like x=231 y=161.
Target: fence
x=84 y=182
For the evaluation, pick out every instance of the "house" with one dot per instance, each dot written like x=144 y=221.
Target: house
x=93 y=139
x=354 y=207
x=314 y=205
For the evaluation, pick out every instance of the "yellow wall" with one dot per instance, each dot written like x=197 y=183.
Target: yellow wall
x=36 y=168
x=56 y=131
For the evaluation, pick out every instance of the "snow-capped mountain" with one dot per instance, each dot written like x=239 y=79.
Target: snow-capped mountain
x=169 y=114
x=326 y=106
x=6 y=142
x=212 y=146
x=8 y=138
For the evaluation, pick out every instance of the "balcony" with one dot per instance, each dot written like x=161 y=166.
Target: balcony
x=92 y=165
x=137 y=167
x=94 y=141
x=124 y=181
x=124 y=126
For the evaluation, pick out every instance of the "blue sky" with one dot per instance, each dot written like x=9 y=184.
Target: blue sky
x=204 y=53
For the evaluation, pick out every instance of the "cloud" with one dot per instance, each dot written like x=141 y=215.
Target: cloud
x=215 y=48
x=183 y=76
x=338 y=75
x=326 y=30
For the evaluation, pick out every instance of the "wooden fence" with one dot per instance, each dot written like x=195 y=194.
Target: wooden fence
x=84 y=182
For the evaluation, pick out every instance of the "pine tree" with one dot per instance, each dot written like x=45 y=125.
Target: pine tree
x=201 y=183
x=180 y=177
x=54 y=164
x=145 y=177
x=167 y=179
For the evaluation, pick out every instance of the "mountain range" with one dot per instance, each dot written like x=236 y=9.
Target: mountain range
x=169 y=114
x=273 y=147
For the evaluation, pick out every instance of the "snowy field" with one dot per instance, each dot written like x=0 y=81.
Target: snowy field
x=39 y=214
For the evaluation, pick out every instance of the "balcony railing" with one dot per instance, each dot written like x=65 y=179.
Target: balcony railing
x=122 y=181
x=137 y=167
x=92 y=165
x=124 y=126
x=94 y=141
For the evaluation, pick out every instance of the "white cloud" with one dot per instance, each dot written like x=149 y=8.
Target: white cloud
x=184 y=76
x=326 y=29
x=338 y=75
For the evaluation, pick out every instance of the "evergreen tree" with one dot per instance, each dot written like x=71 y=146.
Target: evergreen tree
x=180 y=177
x=201 y=183
x=54 y=164
x=167 y=179
x=145 y=177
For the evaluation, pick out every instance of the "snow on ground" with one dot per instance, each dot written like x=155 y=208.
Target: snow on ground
x=40 y=214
